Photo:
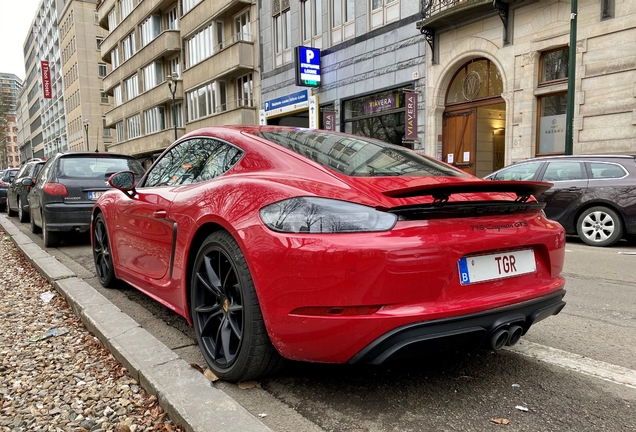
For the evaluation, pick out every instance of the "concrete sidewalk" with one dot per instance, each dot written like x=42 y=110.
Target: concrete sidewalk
x=185 y=394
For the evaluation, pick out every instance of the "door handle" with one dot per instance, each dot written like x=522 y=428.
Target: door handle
x=160 y=214
x=574 y=188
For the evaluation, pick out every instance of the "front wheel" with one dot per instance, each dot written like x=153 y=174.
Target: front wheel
x=102 y=254
x=600 y=226
x=226 y=313
x=23 y=216
x=8 y=208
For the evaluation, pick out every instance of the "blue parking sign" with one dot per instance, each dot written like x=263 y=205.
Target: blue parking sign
x=307 y=66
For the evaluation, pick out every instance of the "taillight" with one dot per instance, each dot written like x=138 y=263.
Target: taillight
x=55 y=189
x=3 y=183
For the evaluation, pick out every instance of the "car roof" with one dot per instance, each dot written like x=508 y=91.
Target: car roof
x=580 y=157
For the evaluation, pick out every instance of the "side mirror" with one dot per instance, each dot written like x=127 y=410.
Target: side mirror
x=27 y=182
x=123 y=180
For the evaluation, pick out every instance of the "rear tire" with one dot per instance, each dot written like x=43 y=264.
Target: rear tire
x=600 y=226
x=34 y=228
x=23 y=216
x=9 y=211
x=51 y=238
x=102 y=254
x=226 y=313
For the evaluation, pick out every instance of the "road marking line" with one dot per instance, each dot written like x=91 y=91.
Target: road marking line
x=577 y=363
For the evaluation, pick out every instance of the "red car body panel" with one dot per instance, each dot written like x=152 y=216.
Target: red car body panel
x=410 y=272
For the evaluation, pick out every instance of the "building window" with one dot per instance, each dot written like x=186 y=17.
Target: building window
x=206 y=100
x=96 y=18
x=125 y=8
x=187 y=5
x=551 y=135
x=114 y=58
x=175 y=65
x=553 y=66
x=105 y=130
x=477 y=79
x=132 y=87
x=282 y=35
x=112 y=20
x=311 y=20
x=98 y=42
x=155 y=119
x=607 y=9
x=178 y=110
x=101 y=70
x=150 y=29
x=205 y=43
x=172 y=19
x=242 y=31
x=152 y=75
x=128 y=47
x=342 y=20
x=119 y=130
x=244 y=87
x=384 y=12
x=117 y=96
x=133 y=124
x=103 y=97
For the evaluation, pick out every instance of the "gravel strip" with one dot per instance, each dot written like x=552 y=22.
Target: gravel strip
x=54 y=374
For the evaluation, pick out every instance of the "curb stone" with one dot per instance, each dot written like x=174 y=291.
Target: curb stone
x=185 y=394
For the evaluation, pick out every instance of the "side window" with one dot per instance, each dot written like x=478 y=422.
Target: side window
x=563 y=171
x=24 y=171
x=45 y=171
x=601 y=170
x=193 y=161
x=518 y=172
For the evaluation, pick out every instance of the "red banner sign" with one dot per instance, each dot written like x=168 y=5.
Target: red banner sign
x=46 y=79
x=410 y=128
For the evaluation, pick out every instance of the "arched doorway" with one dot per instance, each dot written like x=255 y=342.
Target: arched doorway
x=474 y=119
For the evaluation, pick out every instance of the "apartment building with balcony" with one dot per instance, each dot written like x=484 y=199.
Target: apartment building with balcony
x=46 y=122
x=10 y=86
x=206 y=47
x=497 y=79
x=372 y=68
x=83 y=69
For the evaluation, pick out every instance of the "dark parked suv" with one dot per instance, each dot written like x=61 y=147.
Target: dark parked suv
x=68 y=186
x=593 y=196
x=19 y=190
x=5 y=181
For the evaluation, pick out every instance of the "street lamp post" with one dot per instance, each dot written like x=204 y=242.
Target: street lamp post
x=172 y=86
x=86 y=130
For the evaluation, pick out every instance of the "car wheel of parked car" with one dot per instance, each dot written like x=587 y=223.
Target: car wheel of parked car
x=600 y=226
x=22 y=215
x=51 y=238
x=9 y=211
x=226 y=313
x=102 y=254
x=34 y=228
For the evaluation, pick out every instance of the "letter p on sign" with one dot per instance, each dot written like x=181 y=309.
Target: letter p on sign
x=310 y=55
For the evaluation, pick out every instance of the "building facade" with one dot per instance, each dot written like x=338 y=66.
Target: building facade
x=10 y=86
x=46 y=123
x=175 y=67
x=372 y=67
x=85 y=101
x=497 y=79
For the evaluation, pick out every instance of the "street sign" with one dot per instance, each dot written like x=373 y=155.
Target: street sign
x=307 y=67
x=313 y=112
x=286 y=104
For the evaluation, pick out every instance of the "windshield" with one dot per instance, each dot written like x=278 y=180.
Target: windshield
x=358 y=156
x=88 y=167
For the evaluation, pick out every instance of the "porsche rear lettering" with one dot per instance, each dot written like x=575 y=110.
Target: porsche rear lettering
x=499 y=227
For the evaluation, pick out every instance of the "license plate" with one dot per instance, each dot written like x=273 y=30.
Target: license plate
x=483 y=268
x=94 y=195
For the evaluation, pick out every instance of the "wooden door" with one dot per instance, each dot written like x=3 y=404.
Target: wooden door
x=459 y=138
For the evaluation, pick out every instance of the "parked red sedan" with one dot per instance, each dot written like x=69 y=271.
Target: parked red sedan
x=311 y=245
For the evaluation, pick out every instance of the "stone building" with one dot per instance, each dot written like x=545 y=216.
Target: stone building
x=82 y=71
x=10 y=86
x=497 y=79
x=372 y=67
x=205 y=49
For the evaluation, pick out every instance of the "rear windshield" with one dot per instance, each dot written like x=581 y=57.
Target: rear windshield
x=87 y=167
x=358 y=156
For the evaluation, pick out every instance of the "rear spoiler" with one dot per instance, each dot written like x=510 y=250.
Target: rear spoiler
x=442 y=191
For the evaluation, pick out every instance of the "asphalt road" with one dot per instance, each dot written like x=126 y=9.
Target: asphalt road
x=555 y=372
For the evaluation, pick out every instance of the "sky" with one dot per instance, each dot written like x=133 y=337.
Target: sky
x=15 y=20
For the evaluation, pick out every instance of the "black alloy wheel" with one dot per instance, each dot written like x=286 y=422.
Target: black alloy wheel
x=23 y=216
x=34 y=228
x=227 y=317
x=8 y=207
x=51 y=238
x=102 y=254
x=600 y=226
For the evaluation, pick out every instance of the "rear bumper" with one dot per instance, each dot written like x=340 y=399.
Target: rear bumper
x=467 y=332
x=68 y=217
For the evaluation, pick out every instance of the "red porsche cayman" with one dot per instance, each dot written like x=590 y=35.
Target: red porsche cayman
x=310 y=245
